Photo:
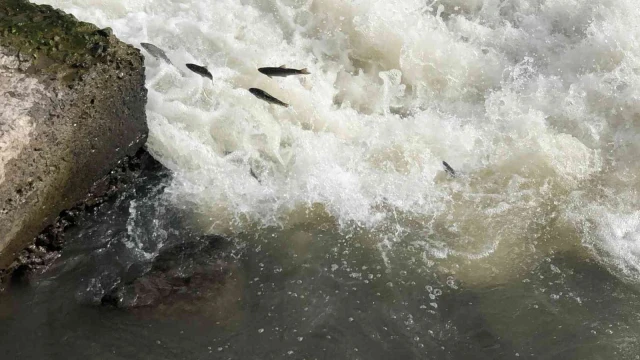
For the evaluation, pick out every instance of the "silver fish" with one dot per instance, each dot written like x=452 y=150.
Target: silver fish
x=282 y=71
x=156 y=52
x=449 y=169
x=200 y=70
x=261 y=94
x=253 y=174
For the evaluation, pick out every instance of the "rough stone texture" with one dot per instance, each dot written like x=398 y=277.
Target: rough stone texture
x=195 y=278
x=38 y=256
x=185 y=269
x=72 y=103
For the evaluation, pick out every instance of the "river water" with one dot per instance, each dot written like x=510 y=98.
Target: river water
x=351 y=241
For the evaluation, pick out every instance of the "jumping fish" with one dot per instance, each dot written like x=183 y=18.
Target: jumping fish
x=156 y=52
x=449 y=169
x=282 y=71
x=200 y=70
x=253 y=174
x=261 y=94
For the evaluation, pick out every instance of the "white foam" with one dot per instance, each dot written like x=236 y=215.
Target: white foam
x=621 y=235
x=530 y=101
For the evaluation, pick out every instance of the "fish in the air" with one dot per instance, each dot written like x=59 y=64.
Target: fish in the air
x=449 y=169
x=253 y=175
x=200 y=70
x=156 y=52
x=261 y=94
x=282 y=71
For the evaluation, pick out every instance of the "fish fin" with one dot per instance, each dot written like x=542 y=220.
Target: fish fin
x=304 y=71
x=283 y=66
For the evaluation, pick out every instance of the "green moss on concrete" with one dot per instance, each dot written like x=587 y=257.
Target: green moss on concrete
x=55 y=42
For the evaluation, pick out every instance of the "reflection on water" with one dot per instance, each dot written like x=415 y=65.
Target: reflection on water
x=301 y=293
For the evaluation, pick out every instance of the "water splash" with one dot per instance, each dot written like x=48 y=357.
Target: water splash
x=536 y=102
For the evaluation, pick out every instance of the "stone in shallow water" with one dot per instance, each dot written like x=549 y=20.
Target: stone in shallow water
x=182 y=278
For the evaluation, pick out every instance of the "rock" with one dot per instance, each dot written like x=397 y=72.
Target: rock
x=189 y=271
x=72 y=104
x=132 y=170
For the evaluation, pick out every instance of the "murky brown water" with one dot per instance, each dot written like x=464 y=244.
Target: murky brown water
x=306 y=293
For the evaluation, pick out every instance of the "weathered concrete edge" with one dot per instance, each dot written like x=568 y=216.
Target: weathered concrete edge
x=100 y=108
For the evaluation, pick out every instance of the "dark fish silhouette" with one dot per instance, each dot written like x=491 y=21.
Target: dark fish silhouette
x=200 y=70
x=261 y=94
x=156 y=52
x=282 y=71
x=449 y=169
x=253 y=174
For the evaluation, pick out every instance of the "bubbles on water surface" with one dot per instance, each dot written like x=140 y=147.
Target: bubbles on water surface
x=534 y=104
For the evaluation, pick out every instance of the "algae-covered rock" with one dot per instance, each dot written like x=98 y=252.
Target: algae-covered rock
x=72 y=104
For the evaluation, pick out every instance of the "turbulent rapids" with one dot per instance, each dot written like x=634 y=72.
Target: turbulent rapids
x=536 y=102
x=534 y=105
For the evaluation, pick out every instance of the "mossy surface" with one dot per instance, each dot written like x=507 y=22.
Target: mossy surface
x=53 y=41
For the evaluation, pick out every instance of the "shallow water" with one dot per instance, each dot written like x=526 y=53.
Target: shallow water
x=353 y=242
x=306 y=293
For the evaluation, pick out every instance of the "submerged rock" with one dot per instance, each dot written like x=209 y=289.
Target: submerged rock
x=72 y=105
x=181 y=275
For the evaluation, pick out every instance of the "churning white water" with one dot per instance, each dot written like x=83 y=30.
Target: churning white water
x=535 y=104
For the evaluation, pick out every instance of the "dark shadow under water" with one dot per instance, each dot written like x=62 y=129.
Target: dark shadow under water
x=321 y=296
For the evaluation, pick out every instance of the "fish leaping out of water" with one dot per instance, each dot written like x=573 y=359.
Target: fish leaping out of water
x=282 y=71
x=263 y=95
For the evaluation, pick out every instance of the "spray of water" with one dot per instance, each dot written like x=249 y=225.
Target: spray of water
x=534 y=103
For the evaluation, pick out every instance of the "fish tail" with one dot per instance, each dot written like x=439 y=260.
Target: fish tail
x=304 y=71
